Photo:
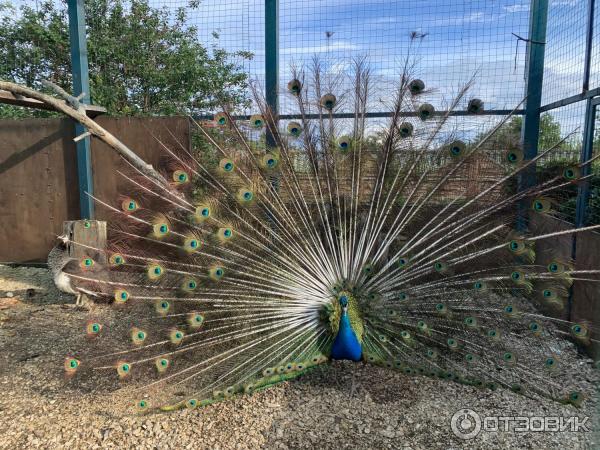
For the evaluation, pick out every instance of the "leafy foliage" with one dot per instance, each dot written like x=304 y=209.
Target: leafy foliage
x=142 y=60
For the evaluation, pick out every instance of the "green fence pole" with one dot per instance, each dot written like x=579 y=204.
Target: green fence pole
x=272 y=61
x=589 y=42
x=272 y=78
x=534 y=77
x=81 y=84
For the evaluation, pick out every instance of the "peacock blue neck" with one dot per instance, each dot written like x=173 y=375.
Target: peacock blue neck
x=346 y=345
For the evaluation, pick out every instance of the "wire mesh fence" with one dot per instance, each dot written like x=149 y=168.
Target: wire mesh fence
x=135 y=42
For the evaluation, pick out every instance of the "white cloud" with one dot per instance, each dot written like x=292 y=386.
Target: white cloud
x=519 y=7
x=325 y=48
x=564 y=2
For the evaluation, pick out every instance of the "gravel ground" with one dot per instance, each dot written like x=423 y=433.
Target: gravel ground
x=345 y=405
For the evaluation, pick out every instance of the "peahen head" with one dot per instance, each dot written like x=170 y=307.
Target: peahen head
x=346 y=325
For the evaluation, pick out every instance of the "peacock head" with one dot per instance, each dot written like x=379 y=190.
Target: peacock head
x=343 y=299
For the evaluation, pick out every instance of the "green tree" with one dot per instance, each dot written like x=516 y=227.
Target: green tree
x=142 y=60
x=511 y=131
x=549 y=130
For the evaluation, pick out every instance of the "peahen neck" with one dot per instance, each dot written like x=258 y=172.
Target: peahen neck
x=346 y=345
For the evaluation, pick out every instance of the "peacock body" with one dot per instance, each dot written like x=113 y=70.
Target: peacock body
x=250 y=264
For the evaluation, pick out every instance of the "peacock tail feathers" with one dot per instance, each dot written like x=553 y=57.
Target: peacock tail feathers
x=238 y=270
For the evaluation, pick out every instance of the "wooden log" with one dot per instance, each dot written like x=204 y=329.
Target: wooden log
x=9 y=98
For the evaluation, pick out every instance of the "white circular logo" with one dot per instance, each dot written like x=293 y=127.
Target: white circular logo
x=466 y=424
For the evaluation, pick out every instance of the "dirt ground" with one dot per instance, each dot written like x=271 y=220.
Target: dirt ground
x=345 y=405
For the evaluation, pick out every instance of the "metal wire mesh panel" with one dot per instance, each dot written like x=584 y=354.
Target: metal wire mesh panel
x=595 y=56
x=565 y=49
x=567 y=124
x=232 y=25
x=592 y=216
x=449 y=41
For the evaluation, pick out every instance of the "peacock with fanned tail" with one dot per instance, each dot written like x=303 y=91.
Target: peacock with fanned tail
x=255 y=263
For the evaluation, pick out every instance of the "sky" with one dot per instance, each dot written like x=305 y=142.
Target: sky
x=459 y=40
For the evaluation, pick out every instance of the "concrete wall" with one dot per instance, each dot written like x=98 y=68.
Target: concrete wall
x=38 y=175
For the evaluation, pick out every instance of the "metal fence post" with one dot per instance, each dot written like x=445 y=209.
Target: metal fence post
x=588 y=46
x=272 y=61
x=587 y=147
x=81 y=84
x=272 y=79
x=533 y=91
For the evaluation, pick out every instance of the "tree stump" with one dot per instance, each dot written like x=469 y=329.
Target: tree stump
x=87 y=238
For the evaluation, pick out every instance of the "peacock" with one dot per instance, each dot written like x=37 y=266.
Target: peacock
x=273 y=247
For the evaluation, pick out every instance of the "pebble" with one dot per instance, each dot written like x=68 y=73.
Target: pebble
x=366 y=408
